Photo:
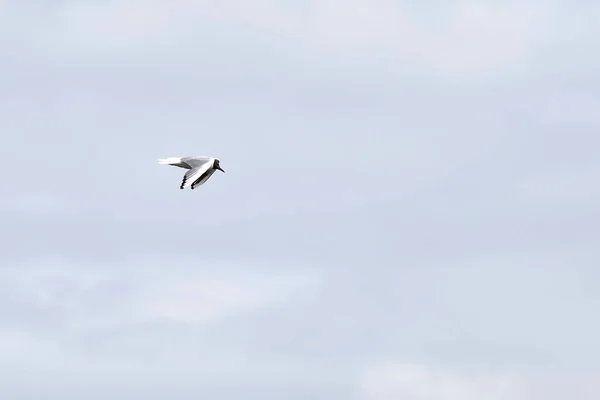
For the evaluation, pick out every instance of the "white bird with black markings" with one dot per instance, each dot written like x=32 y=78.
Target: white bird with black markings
x=199 y=169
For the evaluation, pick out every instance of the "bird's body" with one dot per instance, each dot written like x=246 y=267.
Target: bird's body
x=199 y=169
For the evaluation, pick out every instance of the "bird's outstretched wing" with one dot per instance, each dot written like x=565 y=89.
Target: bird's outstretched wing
x=194 y=162
x=194 y=174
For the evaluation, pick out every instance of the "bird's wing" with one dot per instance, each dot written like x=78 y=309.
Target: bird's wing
x=193 y=174
x=194 y=162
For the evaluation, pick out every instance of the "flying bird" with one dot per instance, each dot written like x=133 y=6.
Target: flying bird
x=199 y=169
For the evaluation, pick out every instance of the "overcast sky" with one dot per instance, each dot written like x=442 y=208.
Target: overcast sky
x=409 y=209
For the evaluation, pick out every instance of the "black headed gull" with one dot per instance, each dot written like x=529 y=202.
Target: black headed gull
x=200 y=169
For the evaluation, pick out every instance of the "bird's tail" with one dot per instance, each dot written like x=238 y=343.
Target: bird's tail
x=170 y=160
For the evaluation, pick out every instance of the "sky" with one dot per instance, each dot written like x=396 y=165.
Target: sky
x=409 y=209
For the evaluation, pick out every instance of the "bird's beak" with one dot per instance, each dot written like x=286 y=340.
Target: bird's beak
x=220 y=169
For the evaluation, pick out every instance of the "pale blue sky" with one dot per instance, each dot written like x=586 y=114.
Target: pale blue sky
x=410 y=208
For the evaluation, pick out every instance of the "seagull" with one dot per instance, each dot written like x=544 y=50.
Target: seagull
x=199 y=169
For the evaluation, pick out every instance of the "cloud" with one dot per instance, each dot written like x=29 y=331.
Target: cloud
x=21 y=348
x=565 y=187
x=207 y=300
x=78 y=301
x=569 y=108
x=412 y=381
x=151 y=322
x=37 y=205
x=466 y=38
x=395 y=381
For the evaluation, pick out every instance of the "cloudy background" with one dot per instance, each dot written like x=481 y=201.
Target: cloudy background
x=410 y=208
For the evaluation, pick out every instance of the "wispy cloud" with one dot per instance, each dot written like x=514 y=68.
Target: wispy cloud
x=210 y=299
x=464 y=39
x=39 y=204
x=392 y=381
x=397 y=380
x=86 y=298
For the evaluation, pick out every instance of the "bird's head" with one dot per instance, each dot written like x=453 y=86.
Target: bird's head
x=216 y=165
